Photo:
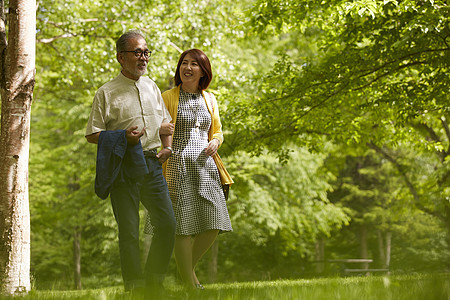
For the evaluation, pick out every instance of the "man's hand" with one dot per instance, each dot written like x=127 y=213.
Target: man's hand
x=133 y=135
x=163 y=155
x=166 y=129
x=213 y=145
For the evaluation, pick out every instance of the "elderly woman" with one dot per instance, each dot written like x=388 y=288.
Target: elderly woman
x=194 y=171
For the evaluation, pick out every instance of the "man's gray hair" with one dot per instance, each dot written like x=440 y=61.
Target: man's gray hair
x=121 y=44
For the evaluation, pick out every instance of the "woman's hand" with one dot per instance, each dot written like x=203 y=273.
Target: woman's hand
x=166 y=129
x=213 y=145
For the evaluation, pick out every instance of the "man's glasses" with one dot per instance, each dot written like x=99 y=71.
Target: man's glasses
x=139 y=53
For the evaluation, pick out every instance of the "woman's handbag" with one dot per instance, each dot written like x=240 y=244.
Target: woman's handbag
x=225 y=178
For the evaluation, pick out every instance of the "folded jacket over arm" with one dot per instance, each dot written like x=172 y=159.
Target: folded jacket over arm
x=116 y=160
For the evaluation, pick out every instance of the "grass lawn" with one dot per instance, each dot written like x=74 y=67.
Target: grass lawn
x=408 y=287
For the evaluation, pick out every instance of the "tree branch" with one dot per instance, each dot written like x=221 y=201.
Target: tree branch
x=447 y=133
x=399 y=168
x=431 y=135
x=385 y=74
x=402 y=59
x=52 y=39
x=69 y=34
x=176 y=47
x=403 y=174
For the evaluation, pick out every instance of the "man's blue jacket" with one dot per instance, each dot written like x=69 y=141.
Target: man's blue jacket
x=116 y=160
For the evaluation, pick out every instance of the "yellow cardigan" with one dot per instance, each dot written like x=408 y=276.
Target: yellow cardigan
x=171 y=98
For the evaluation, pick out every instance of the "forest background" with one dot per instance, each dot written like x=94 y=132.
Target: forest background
x=336 y=132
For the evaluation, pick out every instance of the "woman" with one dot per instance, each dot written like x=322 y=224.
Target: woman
x=191 y=172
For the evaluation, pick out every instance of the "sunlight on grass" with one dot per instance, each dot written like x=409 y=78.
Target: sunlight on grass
x=386 y=287
x=395 y=287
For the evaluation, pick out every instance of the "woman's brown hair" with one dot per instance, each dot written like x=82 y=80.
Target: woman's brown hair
x=203 y=62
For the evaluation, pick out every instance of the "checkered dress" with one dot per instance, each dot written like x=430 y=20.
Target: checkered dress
x=192 y=177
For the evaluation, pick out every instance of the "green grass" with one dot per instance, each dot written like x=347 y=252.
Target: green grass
x=408 y=287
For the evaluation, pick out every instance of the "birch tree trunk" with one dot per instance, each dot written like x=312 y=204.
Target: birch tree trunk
x=77 y=257
x=17 y=73
x=381 y=249
x=388 y=249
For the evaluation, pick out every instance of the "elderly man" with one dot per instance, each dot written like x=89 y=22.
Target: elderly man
x=130 y=122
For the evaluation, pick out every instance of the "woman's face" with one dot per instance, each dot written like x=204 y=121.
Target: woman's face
x=190 y=71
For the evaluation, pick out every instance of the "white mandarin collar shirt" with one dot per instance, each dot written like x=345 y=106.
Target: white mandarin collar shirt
x=122 y=103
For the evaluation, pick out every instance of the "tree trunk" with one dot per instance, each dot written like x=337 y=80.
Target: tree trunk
x=363 y=241
x=388 y=249
x=17 y=83
x=320 y=255
x=77 y=257
x=212 y=265
x=381 y=249
x=447 y=224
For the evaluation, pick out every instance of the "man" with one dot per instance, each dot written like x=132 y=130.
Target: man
x=128 y=113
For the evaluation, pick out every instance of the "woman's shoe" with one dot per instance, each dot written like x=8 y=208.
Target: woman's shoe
x=199 y=286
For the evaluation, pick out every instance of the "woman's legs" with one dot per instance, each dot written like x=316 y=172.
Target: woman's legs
x=202 y=242
x=188 y=253
x=183 y=256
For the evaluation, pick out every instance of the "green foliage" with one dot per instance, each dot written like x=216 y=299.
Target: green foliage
x=76 y=55
x=378 y=79
x=423 y=243
x=289 y=76
x=277 y=211
x=376 y=198
x=379 y=65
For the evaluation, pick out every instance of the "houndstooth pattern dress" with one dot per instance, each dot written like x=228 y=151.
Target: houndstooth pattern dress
x=192 y=177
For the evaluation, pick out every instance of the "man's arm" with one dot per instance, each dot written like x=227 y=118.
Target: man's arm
x=165 y=153
x=131 y=134
x=93 y=138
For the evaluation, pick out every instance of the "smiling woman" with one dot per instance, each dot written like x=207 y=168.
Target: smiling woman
x=191 y=172
x=190 y=63
x=191 y=73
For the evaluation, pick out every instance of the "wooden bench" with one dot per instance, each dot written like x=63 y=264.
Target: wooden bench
x=346 y=271
x=365 y=270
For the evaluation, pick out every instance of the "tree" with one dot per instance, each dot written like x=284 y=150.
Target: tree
x=382 y=208
x=17 y=76
x=367 y=188
x=292 y=85
x=376 y=64
x=378 y=79
x=278 y=212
